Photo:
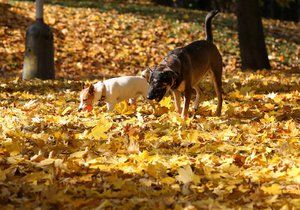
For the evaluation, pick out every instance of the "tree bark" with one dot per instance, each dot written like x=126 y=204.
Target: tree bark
x=251 y=37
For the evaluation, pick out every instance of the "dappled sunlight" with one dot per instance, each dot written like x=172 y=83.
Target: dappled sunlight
x=51 y=154
x=145 y=155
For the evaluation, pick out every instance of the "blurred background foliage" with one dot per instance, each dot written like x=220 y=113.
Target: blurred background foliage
x=275 y=9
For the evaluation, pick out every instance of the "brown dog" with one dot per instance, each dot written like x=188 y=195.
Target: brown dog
x=183 y=68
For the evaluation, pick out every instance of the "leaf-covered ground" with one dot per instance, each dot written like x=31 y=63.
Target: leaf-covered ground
x=51 y=156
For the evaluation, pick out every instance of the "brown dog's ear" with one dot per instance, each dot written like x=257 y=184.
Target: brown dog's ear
x=91 y=89
x=168 y=76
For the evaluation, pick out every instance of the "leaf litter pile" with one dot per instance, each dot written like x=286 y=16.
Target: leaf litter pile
x=52 y=156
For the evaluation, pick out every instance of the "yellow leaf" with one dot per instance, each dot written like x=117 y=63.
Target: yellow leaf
x=269 y=106
x=166 y=102
x=13 y=147
x=36 y=176
x=68 y=109
x=186 y=175
x=278 y=99
x=104 y=204
x=160 y=111
x=133 y=146
x=157 y=170
x=124 y=108
x=2 y=175
x=268 y=119
x=294 y=173
x=168 y=180
x=274 y=189
x=146 y=182
x=99 y=131
x=46 y=162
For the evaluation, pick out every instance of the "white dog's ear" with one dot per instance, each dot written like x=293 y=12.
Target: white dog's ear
x=83 y=85
x=146 y=73
x=91 y=89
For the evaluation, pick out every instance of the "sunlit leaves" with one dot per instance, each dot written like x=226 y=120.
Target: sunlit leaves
x=99 y=131
x=186 y=175
x=273 y=189
x=144 y=155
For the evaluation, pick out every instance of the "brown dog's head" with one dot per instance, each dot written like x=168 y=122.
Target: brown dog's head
x=86 y=98
x=161 y=80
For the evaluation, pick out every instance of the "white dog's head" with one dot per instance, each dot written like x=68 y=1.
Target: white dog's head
x=89 y=95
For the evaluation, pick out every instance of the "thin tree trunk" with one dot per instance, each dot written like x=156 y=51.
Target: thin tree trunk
x=39 y=9
x=251 y=37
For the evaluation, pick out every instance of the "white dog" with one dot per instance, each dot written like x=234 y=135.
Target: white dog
x=113 y=91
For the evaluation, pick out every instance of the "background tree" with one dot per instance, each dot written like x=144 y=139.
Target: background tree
x=39 y=49
x=276 y=9
x=251 y=37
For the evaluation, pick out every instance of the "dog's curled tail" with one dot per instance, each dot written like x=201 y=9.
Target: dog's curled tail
x=209 y=17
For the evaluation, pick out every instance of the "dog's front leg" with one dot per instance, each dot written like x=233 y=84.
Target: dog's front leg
x=187 y=99
x=177 y=96
x=131 y=101
x=197 y=100
x=110 y=106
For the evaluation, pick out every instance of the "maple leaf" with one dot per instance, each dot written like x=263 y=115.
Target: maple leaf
x=157 y=170
x=99 y=131
x=274 y=189
x=166 y=102
x=67 y=110
x=186 y=175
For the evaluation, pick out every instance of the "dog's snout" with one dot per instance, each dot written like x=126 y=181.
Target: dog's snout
x=150 y=96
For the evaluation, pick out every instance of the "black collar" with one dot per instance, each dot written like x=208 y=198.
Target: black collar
x=103 y=94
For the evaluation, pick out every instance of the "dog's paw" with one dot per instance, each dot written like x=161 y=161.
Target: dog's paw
x=131 y=101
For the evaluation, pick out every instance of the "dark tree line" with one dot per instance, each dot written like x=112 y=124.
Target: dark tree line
x=276 y=9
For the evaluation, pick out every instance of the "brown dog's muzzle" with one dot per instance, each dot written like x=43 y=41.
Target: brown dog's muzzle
x=156 y=93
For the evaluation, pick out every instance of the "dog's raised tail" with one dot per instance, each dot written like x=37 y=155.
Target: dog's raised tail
x=208 y=31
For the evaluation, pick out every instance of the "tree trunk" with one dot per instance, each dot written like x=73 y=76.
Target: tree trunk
x=251 y=37
x=39 y=49
x=39 y=12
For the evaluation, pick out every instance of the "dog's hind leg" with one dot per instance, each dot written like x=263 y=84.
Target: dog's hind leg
x=177 y=97
x=217 y=79
x=110 y=107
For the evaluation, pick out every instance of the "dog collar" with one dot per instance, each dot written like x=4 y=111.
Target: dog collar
x=103 y=94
